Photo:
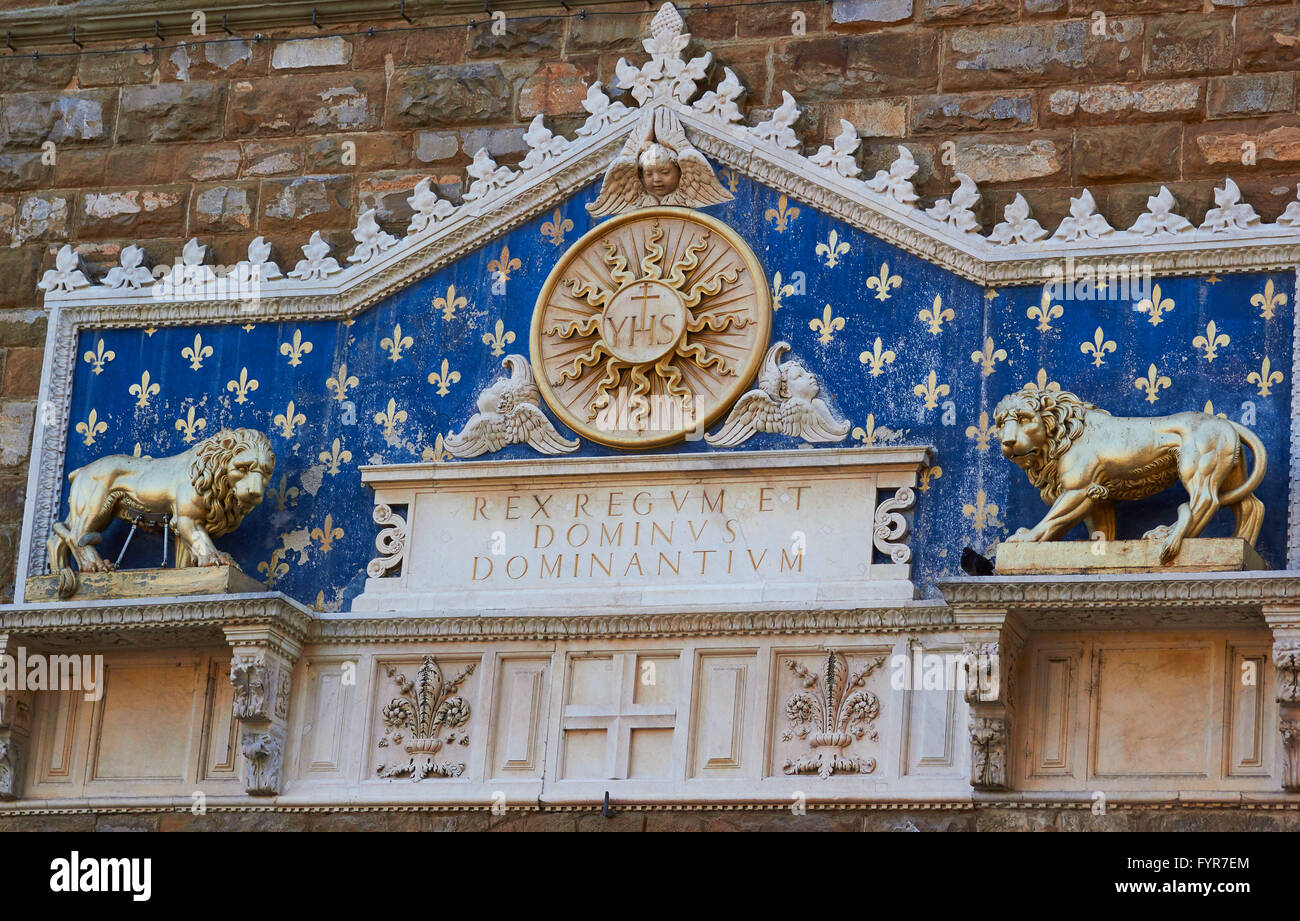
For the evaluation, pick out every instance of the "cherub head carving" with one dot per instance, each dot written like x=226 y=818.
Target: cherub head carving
x=658 y=166
x=786 y=401
x=659 y=170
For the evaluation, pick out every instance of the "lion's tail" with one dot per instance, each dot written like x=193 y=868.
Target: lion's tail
x=1256 y=475
x=61 y=544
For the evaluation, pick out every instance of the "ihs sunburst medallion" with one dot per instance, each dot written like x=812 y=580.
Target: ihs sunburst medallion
x=649 y=327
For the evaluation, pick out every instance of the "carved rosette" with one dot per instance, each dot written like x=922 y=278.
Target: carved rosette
x=390 y=542
x=891 y=527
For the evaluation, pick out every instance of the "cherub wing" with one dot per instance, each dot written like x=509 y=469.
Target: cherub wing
x=528 y=423
x=621 y=190
x=813 y=422
x=484 y=432
x=754 y=412
x=698 y=186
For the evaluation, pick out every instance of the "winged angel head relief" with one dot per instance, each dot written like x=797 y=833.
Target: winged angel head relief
x=509 y=413
x=658 y=166
x=786 y=401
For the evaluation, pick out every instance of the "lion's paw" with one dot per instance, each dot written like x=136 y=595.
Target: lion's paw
x=219 y=558
x=1022 y=534
x=1158 y=533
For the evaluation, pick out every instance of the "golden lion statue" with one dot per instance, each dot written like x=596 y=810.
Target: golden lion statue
x=1082 y=460
x=202 y=493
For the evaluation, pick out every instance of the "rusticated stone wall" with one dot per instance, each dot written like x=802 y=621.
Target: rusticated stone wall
x=230 y=139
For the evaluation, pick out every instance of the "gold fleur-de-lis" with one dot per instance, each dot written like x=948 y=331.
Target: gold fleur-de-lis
x=868 y=434
x=1211 y=342
x=501 y=268
x=981 y=433
x=499 y=338
x=732 y=178
x=274 y=568
x=449 y=303
x=1264 y=378
x=327 y=533
x=396 y=343
x=289 y=420
x=1098 y=348
x=1209 y=410
x=988 y=356
x=1155 y=306
x=554 y=228
x=190 y=426
x=337 y=454
x=1268 y=301
x=782 y=214
x=832 y=250
x=1041 y=382
x=1045 y=312
x=1152 y=383
x=780 y=290
x=931 y=390
x=296 y=349
x=436 y=454
x=828 y=324
x=283 y=495
x=444 y=378
x=242 y=387
x=196 y=352
x=884 y=282
x=928 y=474
x=877 y=358
x=936 y=316
x=91 y=427
x=99 y=357
x=390 y=418
x=983 y=513
x=143 y=390
x=341 y=381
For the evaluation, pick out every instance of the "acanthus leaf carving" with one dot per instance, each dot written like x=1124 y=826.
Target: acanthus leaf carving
x=955 y=211
x=1229 y=211
x=838 y=155
x=601 y=111
x=667 y=75
x=259 y=264
x=131 y=273
x=250 y=677
x=67 y=274
x=1160 y=217
x=544 y=146
x=989 y=739
x=372 y=241
x=428 y=207
x=896 y=181
x=488 y=177
x=779 y=129
x=1084 y=223
x=319 y=264
x=723 y=103
x=263 y=750
x=1018 y=226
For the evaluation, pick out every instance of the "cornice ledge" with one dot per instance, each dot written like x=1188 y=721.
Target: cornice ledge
x=1231 y=590
x=201 y=614
x=330 y=630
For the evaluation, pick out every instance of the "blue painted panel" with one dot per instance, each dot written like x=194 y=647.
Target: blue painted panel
x=976 y=500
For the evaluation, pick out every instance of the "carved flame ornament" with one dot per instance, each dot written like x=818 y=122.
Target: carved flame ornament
x=649 y=327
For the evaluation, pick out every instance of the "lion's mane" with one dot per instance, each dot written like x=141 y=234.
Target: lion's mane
x=208 y=473
x=1062 y=414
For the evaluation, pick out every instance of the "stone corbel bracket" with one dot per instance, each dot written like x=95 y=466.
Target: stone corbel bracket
x=15 y=730
x=991 y=654
x=261 y=673
x=1285 y=624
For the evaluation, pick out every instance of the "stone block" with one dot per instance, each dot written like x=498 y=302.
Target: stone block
x=147 y=583
x=845 y=11
x=75 y=117
x=306 y=203
x=227 y=207
x=171 y=112
x=136 y=213
x=438 y=94
x=1250 y=94
x=296 y=54
x=1037 y=53
x=1188 y=46
x=974 y=112
x=1127 y=152
x=1198 y=554
x=306 y=104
